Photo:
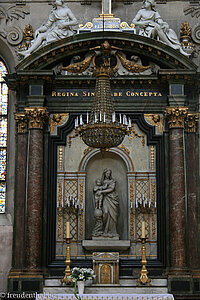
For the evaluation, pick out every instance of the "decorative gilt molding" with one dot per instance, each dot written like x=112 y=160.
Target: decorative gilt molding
x=57 y=119
x=191 y=122
x=36 y=116
x=131 y=66
x=155 y=120
x=81 y=66
x=176 y=116
x=152 y=157
x=81 y=214
x=135 y=134
x=21 y=121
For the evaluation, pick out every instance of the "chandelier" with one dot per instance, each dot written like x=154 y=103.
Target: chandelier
x=103 y=127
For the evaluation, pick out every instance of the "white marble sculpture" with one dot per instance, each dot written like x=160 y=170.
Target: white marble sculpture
x=57 y=27
x=151 y=25
x=106 y=206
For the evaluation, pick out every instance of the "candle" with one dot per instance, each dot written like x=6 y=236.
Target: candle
x=143 y=229
x=87 y=118
x=120 y=118
x=100 y=116
x=104 y=117
x=68 y=230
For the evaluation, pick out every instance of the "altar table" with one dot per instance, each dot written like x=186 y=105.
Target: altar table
x=105 y=297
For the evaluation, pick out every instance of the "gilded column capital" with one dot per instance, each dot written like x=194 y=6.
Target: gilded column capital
x=176 y=116
x=36 y=116
x=191 y=122
x=21 y=121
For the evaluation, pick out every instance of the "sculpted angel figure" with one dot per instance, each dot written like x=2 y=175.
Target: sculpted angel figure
x=151 y=25
x=56 y=28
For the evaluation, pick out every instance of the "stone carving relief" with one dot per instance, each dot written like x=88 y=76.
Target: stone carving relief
x=150 y=24
x=8 y=29
x=57 y=27
x=194 y=11
x=106 y=211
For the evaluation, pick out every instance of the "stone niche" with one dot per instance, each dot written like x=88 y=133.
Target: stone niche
x=94 y=170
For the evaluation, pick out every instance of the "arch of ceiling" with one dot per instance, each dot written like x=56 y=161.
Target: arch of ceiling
x=51 y=55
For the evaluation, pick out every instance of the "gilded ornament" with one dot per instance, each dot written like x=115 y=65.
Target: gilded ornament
x=185 y=37
x=59 y=233
x=152 y=157
x=191 y=121
x=79 y=67
x=176 y=116
x=153 y=193
x=21 y=121
x=133 y=134
x=130 y=65
x=123 y=147
x=60 y=157
x=36 y=116
x=153 y=226
x=125 y=25
x=105 y=274
x=60 y=193
x=155 y=120
x=57 y=119
x=72 y=137
x=28 y=37
x=81 y=214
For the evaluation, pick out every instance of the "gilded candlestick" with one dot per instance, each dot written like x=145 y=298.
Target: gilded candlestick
x=143 y=273
x=67 y=272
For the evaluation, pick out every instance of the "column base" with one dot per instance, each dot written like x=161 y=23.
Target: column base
x=25 y=281
x=184 y=284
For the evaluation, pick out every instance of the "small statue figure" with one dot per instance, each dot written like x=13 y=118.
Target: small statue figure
x=151 y=25
x=56 y=28
x=106 y=207
x=98 y=196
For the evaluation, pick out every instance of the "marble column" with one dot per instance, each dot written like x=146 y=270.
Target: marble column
x=36 y=117
x=176 y=118
x=192 y=119
x=19 y=234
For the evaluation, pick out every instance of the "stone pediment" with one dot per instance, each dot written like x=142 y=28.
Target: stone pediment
x=158 y=52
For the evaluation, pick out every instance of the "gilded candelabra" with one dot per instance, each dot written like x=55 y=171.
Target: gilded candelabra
x=143 y=279
x=67 y=272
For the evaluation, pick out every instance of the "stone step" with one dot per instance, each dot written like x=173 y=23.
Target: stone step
x=125 y=286
x=162 y=282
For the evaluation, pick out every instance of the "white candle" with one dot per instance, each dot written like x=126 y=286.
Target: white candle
x=95 y=117
x=104 y=117
x=120 y=118
x=68 y=230
x=129 y=125
x=143 y=229
x=100 y=116
x=87 y=118
x=81 y=120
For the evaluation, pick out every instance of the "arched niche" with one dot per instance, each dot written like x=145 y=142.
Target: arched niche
x=94 y=169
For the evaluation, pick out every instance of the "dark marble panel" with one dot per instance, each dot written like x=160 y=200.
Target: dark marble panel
x=177 y=200
x=34 y=200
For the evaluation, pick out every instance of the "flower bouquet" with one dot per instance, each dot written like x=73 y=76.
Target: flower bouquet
x=80 y=274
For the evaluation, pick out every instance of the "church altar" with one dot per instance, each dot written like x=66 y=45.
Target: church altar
x=106 y=297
